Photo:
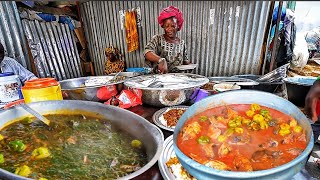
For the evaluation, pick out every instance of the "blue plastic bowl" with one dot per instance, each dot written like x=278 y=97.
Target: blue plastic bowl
x=136 y=70
x=285 y=171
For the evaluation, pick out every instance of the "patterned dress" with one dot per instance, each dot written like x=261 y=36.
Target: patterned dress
x=114 y=67
x=174 y=54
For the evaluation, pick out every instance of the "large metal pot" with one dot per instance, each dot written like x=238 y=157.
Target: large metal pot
x=262 y=86
x=167 y=89
x=298 y=88
x=285 y=171
x=75 y=89
x=149 y=134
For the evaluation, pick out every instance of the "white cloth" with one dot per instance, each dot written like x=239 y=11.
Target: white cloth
x=300 y=52
x=10 y=65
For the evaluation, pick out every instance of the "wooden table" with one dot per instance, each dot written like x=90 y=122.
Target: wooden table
x=147 y=112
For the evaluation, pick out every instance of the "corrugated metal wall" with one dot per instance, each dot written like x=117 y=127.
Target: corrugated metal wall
x=53 y=48
x=11 y=33
x=228 y=43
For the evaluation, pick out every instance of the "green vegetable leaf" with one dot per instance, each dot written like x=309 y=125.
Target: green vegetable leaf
x=203 y=118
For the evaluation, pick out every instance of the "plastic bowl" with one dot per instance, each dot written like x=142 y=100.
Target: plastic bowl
x=285 y=171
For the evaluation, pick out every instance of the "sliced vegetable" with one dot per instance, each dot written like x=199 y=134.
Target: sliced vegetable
x=238 y=130
x=258 y=118
x=1 y=158
x=293 y=123
x=203 y=118
x=23 y=171
x=203 y=140
x=255 y=107
x=297 y=129
x=284 y=132
x=222 y=138
x=264 y=112
x=40 y=153
x=136 y=143
x=249 y=113
x=1 y=137
x=17 y=145
x=43 y=179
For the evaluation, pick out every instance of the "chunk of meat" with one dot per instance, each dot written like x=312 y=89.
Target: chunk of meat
x=208 y=150
x=213 y=132
x=215 y=122
x=269 y=143
x=72 y=140
x=240 y=140
x=265 y=155
x=224 y=150
x=242 y=163
x=191 y=130
x=295 y=151
x=217 y=165
x=288 y=139
x=302 y=137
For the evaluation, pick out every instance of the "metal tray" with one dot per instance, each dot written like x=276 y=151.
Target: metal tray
x=156 y=117
x=166 y=154
x=171 y=81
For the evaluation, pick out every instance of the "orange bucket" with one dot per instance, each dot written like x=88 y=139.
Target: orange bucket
x=42 y=89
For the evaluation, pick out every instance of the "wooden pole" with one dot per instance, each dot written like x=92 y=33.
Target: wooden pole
x=276 y=35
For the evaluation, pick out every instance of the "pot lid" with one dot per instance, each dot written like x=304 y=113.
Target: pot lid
x=167 y=81
x=304 y=81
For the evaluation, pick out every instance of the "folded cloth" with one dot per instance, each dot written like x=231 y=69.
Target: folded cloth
x=169 y=12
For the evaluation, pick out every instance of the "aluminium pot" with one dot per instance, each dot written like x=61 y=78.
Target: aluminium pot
x=75 y=89
x=298 y=88
x=262 y=86
x=166 y=89
x=137 y=126
x=285 y=171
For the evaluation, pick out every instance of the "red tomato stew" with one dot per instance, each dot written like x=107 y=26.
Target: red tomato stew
x=242 y=137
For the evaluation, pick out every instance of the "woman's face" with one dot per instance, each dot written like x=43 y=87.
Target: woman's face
x=111 y=56
x=170 y=27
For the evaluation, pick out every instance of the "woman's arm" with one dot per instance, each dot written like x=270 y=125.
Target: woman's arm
x=150 y=53
x=151 y=56
x=311 y=100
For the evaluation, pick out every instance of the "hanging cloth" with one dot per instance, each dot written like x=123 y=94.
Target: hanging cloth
x=132 y=37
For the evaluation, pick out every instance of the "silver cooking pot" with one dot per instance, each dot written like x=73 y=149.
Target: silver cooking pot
x=166 y=89
x=74 y=89
x=149 y=134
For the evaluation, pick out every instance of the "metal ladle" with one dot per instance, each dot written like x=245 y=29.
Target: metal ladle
x=35 y=113
x=28 y=109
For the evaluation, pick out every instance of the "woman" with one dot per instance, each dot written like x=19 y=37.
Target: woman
x=113 y=63
x=165 y=52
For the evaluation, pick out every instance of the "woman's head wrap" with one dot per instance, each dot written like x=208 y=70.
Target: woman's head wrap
x=114 y=51
x=169 y=12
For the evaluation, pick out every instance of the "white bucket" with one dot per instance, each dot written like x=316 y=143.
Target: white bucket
x=8 y=89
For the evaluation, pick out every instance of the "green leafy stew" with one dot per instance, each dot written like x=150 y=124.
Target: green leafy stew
x=73 y=147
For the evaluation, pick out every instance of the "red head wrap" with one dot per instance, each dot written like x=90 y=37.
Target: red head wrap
x=169 y=12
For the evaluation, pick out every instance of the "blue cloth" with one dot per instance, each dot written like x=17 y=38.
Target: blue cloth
x=275 y=14
x=62 y=19
x=10 y=65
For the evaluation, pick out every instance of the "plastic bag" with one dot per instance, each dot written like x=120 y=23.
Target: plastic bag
x=128 y=98
x=106 y=92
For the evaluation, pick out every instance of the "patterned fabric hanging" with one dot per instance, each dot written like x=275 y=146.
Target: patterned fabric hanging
x=132 y=37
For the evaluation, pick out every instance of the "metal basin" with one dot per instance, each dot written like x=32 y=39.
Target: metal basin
x=285 y=171
x=298 y=88
x=167 y=89
x=149 y=134
x=74 y=89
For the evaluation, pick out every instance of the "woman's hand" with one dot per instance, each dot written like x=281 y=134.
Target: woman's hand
x=163 y=67
x=311 y=101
